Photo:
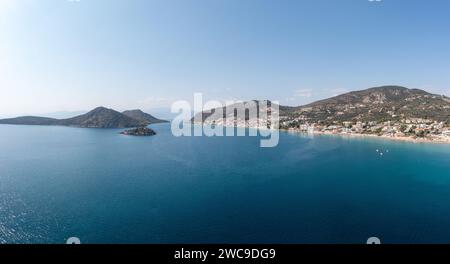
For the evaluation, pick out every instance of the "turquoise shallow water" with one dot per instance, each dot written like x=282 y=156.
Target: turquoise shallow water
x=58 y=182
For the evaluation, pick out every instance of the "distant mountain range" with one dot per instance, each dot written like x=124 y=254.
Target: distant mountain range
x=100 y=117
x=379 y=104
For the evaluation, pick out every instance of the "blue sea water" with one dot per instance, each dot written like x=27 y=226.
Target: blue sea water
x=103 y=187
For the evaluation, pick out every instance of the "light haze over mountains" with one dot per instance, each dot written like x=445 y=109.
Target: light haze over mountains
x=71 y=56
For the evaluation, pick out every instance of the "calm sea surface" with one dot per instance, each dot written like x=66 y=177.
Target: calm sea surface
x=58 y=182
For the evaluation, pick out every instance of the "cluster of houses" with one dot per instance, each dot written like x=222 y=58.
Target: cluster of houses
x=414 y=127
x=229 y=122
x=408 y=127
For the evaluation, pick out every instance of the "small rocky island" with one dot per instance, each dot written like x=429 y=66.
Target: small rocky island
x=140 y=131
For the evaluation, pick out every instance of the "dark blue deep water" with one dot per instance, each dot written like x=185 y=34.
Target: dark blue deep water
x=58 y=182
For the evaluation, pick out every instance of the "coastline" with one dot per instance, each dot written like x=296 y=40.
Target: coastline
x=443 y=141
x=383 y=137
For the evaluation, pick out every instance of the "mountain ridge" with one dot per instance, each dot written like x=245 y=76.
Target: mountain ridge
x=373 y=104
x=377 y=104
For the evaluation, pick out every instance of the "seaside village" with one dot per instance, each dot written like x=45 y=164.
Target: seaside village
x=414 y=128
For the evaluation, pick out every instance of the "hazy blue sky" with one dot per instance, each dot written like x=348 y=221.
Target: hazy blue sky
x=61 y=55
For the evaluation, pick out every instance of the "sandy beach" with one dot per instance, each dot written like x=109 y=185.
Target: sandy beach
x=405 y=139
